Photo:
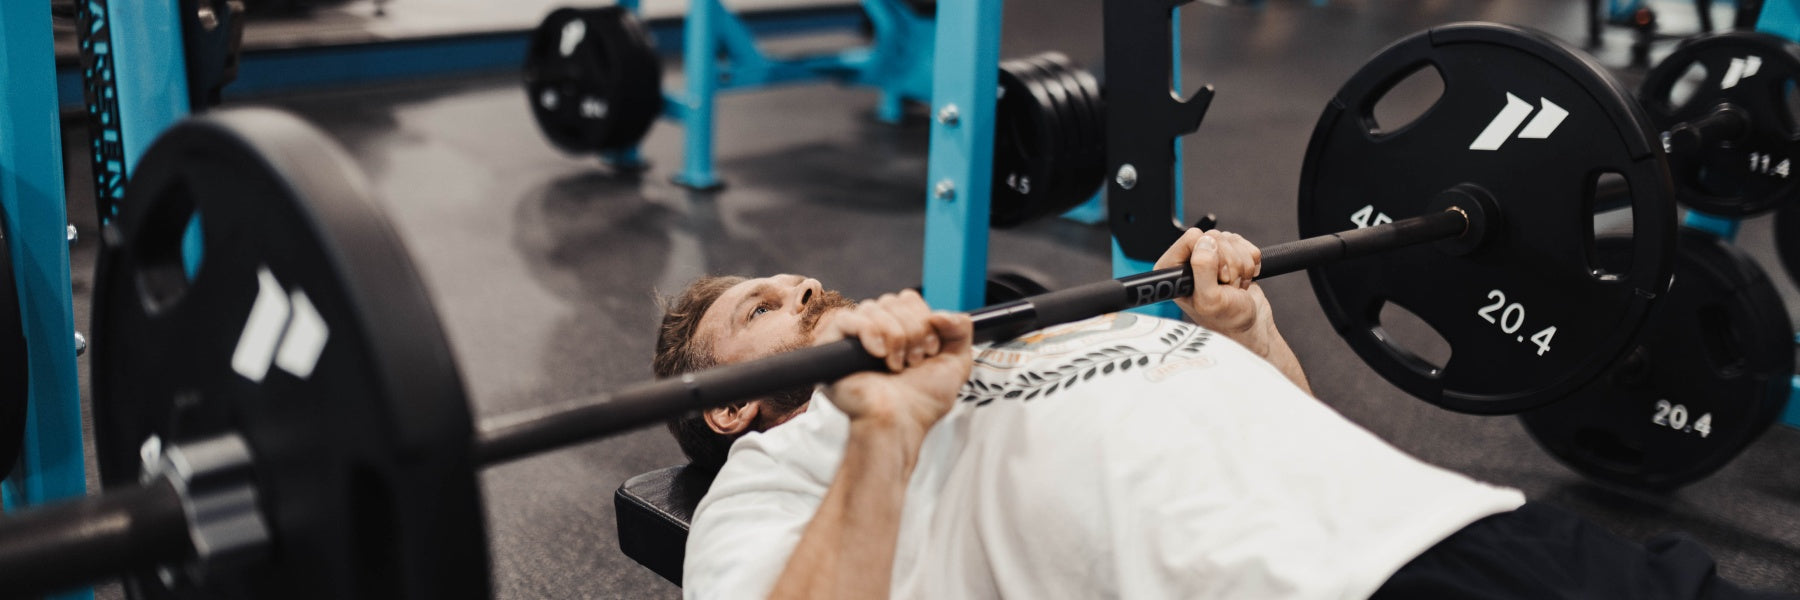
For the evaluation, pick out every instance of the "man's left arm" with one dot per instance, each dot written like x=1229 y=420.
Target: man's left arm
x=1226 y=298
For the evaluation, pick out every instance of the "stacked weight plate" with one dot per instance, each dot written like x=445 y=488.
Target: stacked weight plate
x=1712 y=369
x=1707 y=377
x=1049 y=139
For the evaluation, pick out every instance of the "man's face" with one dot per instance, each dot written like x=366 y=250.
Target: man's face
x=760 y=317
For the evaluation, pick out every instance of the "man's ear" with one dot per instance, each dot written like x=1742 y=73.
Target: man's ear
x=733 y=419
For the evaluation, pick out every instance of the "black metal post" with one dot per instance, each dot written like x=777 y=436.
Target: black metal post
x=1144 y=122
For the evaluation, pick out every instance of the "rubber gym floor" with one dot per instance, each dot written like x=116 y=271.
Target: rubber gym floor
x=545 y=267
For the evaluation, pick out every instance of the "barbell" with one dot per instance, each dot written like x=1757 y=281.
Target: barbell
x=280 y=416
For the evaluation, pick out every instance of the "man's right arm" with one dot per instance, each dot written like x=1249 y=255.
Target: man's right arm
x=847 y=549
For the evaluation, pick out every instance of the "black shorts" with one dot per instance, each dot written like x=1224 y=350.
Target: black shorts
x=1542 y=552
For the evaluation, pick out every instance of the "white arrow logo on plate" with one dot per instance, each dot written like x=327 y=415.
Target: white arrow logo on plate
x=1740 y=69
x=1504 y=124
x=284 y=330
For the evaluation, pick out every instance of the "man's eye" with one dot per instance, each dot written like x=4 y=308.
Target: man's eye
x=759 y=310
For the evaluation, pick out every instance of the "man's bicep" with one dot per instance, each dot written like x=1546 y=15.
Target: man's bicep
x=739 y=543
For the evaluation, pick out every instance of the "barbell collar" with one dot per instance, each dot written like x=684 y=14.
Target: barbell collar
x=213 y=478
x=1726 y=123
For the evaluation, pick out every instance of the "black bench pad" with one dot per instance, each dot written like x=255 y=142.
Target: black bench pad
x=654 y=510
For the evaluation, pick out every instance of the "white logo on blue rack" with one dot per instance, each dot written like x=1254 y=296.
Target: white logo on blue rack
x=1504 y=124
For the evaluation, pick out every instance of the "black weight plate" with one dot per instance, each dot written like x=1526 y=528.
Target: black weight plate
x=1709 y=374
x=1090 y=87
x=593 y=79
x=1748 y=70
x=1086 y=164
x=1069 y=136
x=1062 y=98
x=15 y=366
x=307 y=331
x=1529 y=316
x=1025 y=142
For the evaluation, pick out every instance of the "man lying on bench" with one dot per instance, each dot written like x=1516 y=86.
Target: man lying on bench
x=1122 y=456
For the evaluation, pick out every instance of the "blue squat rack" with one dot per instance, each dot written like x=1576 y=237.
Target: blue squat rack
x=31 y=192
x=140 y=82
x=52 y=464
x=960 y=172
x=898 y=64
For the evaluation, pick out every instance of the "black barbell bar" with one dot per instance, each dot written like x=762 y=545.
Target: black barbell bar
x=527 y=433
x=148 y=525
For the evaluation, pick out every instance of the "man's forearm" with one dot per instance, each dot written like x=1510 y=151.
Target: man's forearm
x=847 y=550
x=1279 y=354
x=1266 y=341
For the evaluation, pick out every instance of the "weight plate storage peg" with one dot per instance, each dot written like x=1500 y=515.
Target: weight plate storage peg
x=15 y=390
x=1722 y=104
x=1709 y=373
x=593 y=79
x=1530 y=122
x=305 y=331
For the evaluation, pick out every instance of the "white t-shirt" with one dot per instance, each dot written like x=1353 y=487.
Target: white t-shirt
x=1122 y=456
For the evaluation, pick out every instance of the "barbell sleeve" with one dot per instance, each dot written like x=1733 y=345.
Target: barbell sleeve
x=65 y=545
x=1300 y=255
x=525 y=433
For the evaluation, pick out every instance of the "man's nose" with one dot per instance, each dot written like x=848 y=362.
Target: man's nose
x=805 y=292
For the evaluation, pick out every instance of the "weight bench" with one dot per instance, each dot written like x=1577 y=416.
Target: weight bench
x=653 y=510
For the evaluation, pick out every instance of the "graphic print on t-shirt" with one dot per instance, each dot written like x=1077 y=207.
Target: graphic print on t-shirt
x=1059 y=358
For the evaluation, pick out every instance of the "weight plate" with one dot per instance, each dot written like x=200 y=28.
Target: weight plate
x=1062 y=98
x=1086 y=165
x=593 y=79
x=1749 y=71
x=1026 y=139
x=15 y=365
x=1090 y=86
x=1529 y=316
x=305 y=329
x=1070 y=138
x=1709 y=373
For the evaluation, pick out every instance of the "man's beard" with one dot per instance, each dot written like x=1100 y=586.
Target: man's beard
x=827 y=301
x=778 y=406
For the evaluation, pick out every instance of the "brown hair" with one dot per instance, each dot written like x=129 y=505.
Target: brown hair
x=679 y=351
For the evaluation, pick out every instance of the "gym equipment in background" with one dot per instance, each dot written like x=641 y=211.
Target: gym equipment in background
x=602 y=58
